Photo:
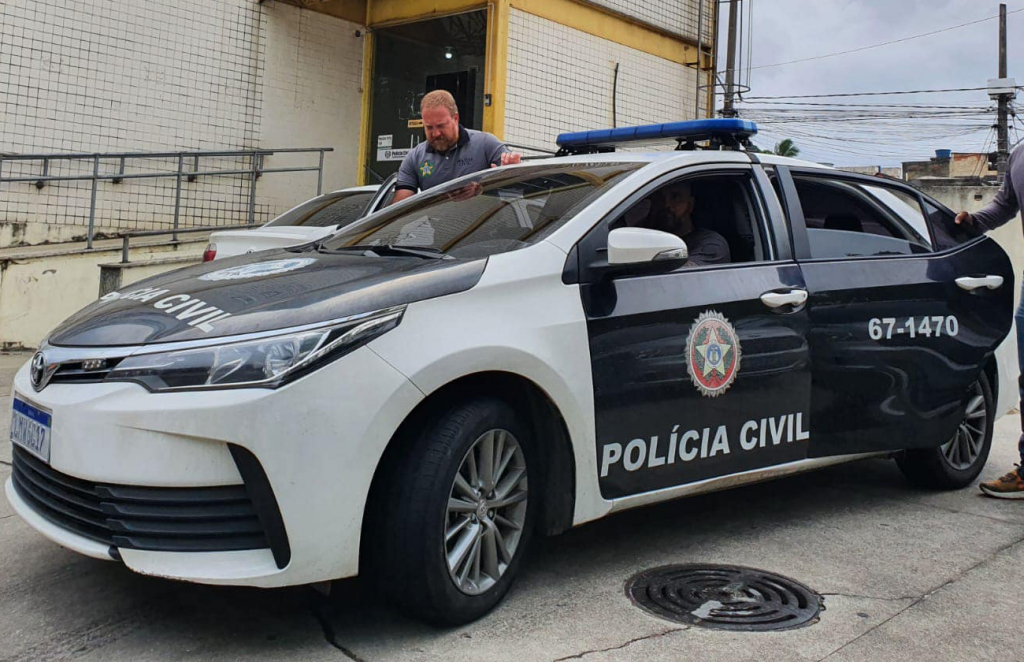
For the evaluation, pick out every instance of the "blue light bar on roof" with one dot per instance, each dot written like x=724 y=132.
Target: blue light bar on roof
x=696 y=130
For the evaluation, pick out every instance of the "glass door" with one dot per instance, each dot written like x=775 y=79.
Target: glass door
x=413 y=59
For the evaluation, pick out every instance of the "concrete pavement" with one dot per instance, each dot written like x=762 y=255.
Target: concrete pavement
x=906 y=574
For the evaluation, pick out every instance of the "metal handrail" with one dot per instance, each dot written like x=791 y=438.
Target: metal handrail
x=254 y=171
x=7 y=156
x=126 y=237
x=541 y=150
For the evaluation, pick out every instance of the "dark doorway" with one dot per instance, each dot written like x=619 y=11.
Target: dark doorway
x=409 y=61
x=462 y=85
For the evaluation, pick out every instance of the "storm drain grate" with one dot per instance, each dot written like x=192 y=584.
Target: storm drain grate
x=725 y=597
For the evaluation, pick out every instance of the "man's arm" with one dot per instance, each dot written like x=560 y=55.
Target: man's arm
x=710 y=248
x=1001 y=210
x=498 y=153
x=401 y=194
x=407 y=182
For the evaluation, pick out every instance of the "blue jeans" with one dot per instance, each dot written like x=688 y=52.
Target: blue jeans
x=1018 y=318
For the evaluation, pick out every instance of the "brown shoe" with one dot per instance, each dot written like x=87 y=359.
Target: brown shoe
x=1010 y=486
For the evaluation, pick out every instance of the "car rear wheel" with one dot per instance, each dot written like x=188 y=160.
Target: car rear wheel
x=956 y=463
x=460 y=513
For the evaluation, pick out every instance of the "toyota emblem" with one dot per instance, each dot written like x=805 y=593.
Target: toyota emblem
x=38 y=371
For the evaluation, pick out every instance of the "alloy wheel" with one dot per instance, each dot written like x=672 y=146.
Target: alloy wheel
x=486 y=512
x=966 y=445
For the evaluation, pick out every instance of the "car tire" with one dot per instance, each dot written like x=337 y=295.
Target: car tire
x=431 y=516
x=958 y=462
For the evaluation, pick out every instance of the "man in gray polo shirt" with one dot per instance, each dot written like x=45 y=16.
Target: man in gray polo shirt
x=1007 y=204
x=450 y=150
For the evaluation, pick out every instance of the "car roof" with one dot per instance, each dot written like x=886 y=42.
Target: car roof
x=680 y=158
x=772 y=159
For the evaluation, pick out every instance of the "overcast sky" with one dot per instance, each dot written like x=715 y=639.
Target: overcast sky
x=785 y=30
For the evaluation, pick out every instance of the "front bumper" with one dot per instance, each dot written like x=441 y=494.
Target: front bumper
x=317 y=441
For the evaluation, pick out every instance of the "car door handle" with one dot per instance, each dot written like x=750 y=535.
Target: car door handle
x=974 y=282
x=788 y=298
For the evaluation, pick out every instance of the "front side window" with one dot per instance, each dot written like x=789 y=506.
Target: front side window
x=337 y=210
x=847 y=218
x=717 y=215
x=495 y=212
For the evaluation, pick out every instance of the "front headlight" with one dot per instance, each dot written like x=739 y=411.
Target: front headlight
x=267 y=362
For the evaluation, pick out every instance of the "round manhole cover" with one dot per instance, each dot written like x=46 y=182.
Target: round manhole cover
x=725 y=597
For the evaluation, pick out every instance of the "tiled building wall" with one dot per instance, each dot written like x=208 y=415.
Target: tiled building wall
x=560 y=79
x=312 y=82
x=136 y=75
x=676 y=16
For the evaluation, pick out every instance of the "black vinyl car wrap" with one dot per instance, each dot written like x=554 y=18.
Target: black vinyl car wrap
x=261 y=292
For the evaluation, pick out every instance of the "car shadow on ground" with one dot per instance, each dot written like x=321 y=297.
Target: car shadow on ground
x=665 y=529
x=250 y=623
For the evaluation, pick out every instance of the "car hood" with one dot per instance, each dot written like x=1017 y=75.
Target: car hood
x=260 y=292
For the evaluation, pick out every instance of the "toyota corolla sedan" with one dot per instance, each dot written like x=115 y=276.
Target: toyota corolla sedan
x=515 y=353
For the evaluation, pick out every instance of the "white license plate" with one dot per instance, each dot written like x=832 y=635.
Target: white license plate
x=30 y=429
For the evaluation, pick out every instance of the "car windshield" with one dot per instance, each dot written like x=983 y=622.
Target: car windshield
x=333 y=209
x=494 y=212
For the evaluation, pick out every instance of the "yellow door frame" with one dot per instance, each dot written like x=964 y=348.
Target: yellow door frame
x=364 y=114
x=497 y=67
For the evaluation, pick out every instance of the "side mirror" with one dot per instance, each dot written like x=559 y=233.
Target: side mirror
x=642 y=246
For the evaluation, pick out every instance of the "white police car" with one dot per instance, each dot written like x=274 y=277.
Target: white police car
x=513 y=353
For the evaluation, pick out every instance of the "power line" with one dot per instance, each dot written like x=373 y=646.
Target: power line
x=876 y=138
x=840 y=113
x=1017 y=120
x=875 y=141
x=881 y=129
x=887 y=43
x=870 y=94
x=978 y=105
x=984 y=150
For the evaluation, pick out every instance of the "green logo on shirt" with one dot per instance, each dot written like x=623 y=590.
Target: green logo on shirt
x=426 y=169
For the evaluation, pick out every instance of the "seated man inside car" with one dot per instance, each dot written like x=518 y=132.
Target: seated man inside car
x=672 y=212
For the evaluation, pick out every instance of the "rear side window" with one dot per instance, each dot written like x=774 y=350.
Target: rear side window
x=340 y=210
x=905 y=206
x=846 y=218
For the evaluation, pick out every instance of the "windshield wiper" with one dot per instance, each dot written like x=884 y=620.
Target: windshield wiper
x=382 y=250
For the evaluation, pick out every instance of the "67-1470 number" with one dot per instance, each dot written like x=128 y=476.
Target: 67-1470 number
x=936 y=325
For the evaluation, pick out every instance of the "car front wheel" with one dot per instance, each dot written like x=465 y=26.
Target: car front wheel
x=460 y=514
x=956 y=463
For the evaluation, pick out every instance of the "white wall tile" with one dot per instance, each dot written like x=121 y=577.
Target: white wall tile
x=677 y=16
x=560 y=79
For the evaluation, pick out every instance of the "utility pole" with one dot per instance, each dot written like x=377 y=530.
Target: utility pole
x=700 y=58
x=730 y=73
x=1003 y=145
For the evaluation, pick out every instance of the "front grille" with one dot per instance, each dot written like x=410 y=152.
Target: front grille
x=169 y=519
x=82 y=372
